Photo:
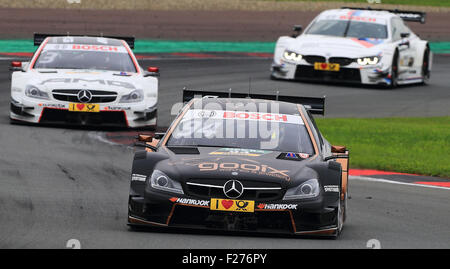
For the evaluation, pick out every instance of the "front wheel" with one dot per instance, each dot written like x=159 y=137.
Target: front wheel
x=426 y=65
x=394 y=71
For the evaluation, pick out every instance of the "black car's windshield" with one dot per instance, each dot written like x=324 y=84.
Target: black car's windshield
x=73 y=56
x=349 y=28
x=247 y=130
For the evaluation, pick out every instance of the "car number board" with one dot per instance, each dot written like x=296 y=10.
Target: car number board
x=232 y=205
x=326 y=66
x=78 y=107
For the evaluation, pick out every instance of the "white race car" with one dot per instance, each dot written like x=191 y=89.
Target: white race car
x=363 y=46
x=84 y=80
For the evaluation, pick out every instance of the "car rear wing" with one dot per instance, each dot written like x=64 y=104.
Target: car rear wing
x=406 y=15
x=39 y=38
x=316 y=105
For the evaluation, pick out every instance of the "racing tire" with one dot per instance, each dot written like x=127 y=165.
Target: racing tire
x=394 y=71
x=341 y=216
x=425 y=65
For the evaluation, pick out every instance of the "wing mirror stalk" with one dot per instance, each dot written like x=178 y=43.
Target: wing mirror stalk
x=297 y=30
x=152 y=72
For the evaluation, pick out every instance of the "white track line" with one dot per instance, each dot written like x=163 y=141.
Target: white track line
x=370 y=179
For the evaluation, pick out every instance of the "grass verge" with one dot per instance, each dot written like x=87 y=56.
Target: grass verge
x=409 y=145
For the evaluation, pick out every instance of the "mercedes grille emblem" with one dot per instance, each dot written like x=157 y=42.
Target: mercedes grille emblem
x=233 y=189
x=84 y=96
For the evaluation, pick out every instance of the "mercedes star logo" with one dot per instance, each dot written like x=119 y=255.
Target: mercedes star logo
x=84 y=96
x=233 y=189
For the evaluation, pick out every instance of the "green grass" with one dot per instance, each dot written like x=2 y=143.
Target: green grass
x=437 y=3
x=410 y=145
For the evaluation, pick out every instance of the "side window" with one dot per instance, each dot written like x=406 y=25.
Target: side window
x=404 y=28
x=396 y=29
x=317 y=129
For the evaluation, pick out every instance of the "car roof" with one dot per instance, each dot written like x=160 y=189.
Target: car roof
x=246 y=104
x=85 y=40
x=377 y=14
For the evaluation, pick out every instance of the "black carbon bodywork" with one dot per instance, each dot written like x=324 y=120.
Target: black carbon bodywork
x=265 y=178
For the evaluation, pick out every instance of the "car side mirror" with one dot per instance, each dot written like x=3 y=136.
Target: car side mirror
x=16 y=66
x=404 y=35
x=297 y=30
x=338 y=149
x=145 y=138
x=146 y=141
x=404 y=43
x=152 y=71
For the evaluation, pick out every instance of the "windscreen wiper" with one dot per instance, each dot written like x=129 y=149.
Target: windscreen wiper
x=348 y=25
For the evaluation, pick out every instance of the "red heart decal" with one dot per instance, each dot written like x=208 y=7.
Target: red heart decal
x=324 y=65
x=80 y=106
x=227 y=203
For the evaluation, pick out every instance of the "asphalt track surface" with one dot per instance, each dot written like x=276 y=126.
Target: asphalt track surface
x=58 y=184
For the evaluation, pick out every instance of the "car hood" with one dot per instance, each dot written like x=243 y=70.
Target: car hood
x=215 y=163
x=86 y=79
x=336 y=46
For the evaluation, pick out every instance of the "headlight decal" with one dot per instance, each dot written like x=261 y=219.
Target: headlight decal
x=35 y=92
x=368 y=60
x=292 y=56
x=308 y=189
x=161 y=181
x=133 y=97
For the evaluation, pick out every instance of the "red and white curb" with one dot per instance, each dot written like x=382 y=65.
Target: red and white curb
x=399 y=178
x=446 y=185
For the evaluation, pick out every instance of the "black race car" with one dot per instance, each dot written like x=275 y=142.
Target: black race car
x=241 y=162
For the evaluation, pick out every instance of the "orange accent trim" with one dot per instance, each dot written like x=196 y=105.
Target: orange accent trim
x=174 y=125
x=173 y=209
x=327 y=231
x=171 y=214
x=136 y=65
x=311 y=135
x=139 y=221
x=344 y=163
x=38 y=53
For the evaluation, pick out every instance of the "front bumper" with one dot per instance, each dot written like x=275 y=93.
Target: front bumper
x=374 y=75
x=283 y=217
x=48 y=112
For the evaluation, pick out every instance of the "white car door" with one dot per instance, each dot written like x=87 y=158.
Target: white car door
x=404 y=40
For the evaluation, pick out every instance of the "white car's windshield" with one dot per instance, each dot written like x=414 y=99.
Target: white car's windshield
x=349 y=28
x=81 y=56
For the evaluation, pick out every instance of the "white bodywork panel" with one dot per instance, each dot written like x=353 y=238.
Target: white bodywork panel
x=410 y=56
x=48 y=80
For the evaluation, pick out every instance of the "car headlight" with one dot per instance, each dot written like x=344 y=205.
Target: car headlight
x=133 y=97
x=161 y=181
x=292 y=56
x=308 y=189
x=34 y=92
x=368 y=60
